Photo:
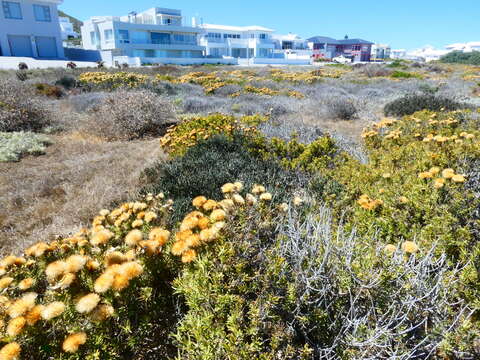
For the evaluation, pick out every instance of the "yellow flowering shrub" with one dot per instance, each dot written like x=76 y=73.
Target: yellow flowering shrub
x=113 y=80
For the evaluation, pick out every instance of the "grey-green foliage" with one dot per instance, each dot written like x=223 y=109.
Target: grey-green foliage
x=15 y=144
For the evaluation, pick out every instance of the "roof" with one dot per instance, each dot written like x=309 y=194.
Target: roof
x=323 y=40
x=329 y=40
x=235 y=28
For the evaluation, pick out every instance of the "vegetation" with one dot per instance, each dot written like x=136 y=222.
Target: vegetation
x=460 y=57
x=14 y=145
x=248 y=221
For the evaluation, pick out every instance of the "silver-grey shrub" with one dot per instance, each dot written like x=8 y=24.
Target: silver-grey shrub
x=127 y=115
x=401 y=310
x=20 y=109
x=13 y=145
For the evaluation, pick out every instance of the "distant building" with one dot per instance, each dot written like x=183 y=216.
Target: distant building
x=464 y=47
x=30 y=29
x=153 y=36
x=243 y=42
x=329 y=48
x=289 y=42
x=380 y=52
x=398 y=53
x=66 y=28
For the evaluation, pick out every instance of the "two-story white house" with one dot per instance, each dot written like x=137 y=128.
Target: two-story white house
x=236 y=41
x=30 y=28
x=153 y=36
x=66 y=28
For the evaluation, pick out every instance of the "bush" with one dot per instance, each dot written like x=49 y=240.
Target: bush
x=49 y=90
x=374 y=70
x=341 y=108
x=20 y=110
x=410 y=104
x=132 y=114
x=397 y=74
x=13 y=145
x=215 y=162
x=460 y=57
x=67 y=82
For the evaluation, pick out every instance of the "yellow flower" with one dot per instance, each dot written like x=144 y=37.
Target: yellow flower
x=34 y=315
x=238 y=186
x=266 y=197
x=199 y=201
x=101 y=237
x=67 y=280
x=53 y=310
x=74 y=341
x=448 y=173
x=15 y=326
x=160 y=235
x=283 y=207
x=238 y=199
x=102 y=312
x=10 y=351
x=227 y=204
x=5 y=282
x=410 y=247
x=297 y=201
x=87 y=303
x=26 y=284
x=55 y=270
x=150 y=216
x=189 y=256
x=458 y=178
x=210 y=205
x=189 y=223
x=22 y=305
x=425 y=175
x=390 y=249
x=133 y=237
x=218 y=215
x=403 y=199
x=137 y=223
x=435 y=170
x=228 y=188
x=258 y=189
x=439 y=183
x=251 y=200
x=75 y=263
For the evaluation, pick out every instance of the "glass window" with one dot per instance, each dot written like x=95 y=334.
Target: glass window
x=93 y=38
x=263 y=36
x=42 y=13
x=108 y=34
x=124 y=36
x=12 y=10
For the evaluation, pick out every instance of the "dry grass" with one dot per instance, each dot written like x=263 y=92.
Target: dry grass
x=52 y=195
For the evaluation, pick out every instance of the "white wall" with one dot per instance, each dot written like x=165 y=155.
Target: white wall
x=136 y=61
x=11 y=63
x=28 y=26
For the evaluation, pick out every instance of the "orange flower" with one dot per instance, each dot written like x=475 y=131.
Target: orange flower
x=74 y=341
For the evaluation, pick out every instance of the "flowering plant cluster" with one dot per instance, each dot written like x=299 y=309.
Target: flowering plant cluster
x=112 y=80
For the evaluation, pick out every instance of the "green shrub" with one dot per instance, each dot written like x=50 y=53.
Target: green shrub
x=14 y=145
x=67 y=82
x=410 y=104
x=397 y=74
x=205 y=167
x=49 y=90
x=460 y=57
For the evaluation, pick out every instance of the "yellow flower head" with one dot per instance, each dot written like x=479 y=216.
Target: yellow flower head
x=87 y=303
x=199 y=201
x=439 y=183
x=74 y=341
x=258 y=189
x=210 y=205
x=425 y=175
x=137 y=223
x=67 y=280
x=458 y=178
x=10 y=351
x=150 y=216
x=104 y=282
x=22 y=305
x=102 y=312
x=297 y=201
x=15 y=326
x=403 y=199
x=238 y=199
x=55 y=270
x=26 y=284
x=179 y=247
x=75 y=263
x=266 y=196
x=189 y=256
x=160 y=235
x=101 y=237
x=5 y=282
x=229 y=188
x=435 y=170
x=227 y=204
x=410 y=247
x=283 y=207
x=218 y=215
x=133 y=237
x=390 y=249
x=448 y=173
x=189 y=223
x=34 y=315
x=53 y=310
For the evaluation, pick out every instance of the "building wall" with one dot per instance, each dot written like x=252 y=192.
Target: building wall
x=28 y=26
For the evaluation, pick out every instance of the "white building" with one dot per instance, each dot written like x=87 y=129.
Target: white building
x=398 y=53
x=380 y=52
x=245 y=42
x=153 y=36
x=66 y=28
x=289 y=42
x=464 y=47
x=30 y=28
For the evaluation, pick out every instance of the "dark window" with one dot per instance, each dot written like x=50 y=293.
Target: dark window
x=12 y=10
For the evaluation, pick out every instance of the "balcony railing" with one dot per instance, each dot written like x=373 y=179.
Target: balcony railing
x=161 y=42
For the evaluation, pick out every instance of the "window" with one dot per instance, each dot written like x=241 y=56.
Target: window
x=231 y=36
x=356 y=47
x=93 y=38
x=263 y=36
x=108 y=34
x=124 y=36
x=214 y=35
x=167 y=21
x=12 y=10
x=42 y=13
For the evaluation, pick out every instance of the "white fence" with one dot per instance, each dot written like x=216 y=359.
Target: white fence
x=11 y=63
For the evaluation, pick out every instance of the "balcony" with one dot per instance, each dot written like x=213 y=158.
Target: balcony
x=161 y=42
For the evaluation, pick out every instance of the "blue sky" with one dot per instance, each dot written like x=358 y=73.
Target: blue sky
x=402 y=23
